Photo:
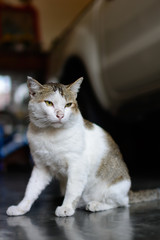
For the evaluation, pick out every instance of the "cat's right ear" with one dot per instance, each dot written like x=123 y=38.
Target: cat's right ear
x=33 y=86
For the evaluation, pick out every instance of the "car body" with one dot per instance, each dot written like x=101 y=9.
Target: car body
x=116 y=44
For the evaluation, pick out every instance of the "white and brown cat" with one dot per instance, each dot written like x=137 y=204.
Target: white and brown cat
x=80 y=154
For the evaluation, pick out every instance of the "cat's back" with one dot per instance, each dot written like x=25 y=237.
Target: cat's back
x=99 y=142
x=104 y=154
x=95 y=134
x=96 y=140
x=99 y=137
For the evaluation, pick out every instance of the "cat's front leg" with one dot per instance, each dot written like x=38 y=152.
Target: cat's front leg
x=40 y=177
x=77 y=178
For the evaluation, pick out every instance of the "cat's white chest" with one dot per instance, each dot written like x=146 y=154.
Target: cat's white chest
x=54 y=150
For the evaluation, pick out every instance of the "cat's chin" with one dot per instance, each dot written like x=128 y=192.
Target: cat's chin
x=57 y=125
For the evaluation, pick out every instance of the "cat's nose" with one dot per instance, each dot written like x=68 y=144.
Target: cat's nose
x=59 y=115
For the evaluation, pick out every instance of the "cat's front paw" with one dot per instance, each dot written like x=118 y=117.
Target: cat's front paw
x=64 y=211
x=15 y=211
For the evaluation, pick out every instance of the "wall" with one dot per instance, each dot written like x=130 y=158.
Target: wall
x=54 y=16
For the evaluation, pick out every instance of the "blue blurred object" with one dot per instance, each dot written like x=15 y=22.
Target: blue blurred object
x=10 y=144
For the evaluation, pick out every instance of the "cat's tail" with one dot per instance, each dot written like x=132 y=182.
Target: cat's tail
x=144 y=195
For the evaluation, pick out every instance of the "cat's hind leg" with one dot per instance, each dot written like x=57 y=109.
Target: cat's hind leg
x=95 y=206
x=39 y=179
x=115 y=196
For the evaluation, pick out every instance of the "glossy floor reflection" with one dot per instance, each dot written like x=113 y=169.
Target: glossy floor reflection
x=140 y=221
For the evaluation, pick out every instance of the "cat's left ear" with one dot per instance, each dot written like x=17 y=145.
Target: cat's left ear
x=33 y=86
x=74 y=87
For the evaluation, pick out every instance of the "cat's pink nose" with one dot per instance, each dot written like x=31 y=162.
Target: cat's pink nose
x=59 y=115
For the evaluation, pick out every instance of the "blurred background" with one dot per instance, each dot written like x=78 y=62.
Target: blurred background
x=115 y=45
x=27 y=31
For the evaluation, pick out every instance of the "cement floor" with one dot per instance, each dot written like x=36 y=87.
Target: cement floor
x=138 y=222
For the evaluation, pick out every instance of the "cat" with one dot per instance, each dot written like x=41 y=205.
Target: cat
x=80 y=154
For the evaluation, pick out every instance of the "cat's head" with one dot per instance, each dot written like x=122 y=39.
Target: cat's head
x=52 y=104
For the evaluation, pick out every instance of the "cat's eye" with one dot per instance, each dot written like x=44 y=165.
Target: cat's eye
x=48 y=103
x=68 y=104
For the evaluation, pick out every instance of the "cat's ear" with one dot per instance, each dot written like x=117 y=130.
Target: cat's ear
x=33 y=86
x=74 y=87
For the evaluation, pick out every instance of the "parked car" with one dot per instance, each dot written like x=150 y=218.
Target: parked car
x=115 y=45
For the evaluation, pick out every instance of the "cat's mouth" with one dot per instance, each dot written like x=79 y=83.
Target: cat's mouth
x=57 y=124
x=59 y=121
x=55 y=121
